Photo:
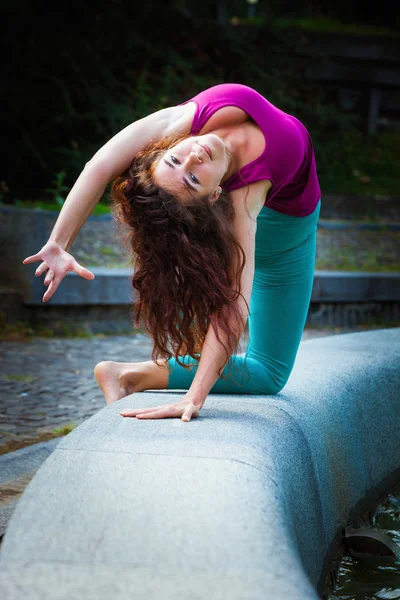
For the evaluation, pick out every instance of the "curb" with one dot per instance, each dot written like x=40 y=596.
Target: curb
x=112 y=286
x=16 y=470
x=23 y=461
x=249 y=500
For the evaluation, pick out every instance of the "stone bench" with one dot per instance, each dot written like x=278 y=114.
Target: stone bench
x=248 y=501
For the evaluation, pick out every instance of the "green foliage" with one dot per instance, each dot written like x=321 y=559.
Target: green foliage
x=28 y=378
x=100 y=209
x=345 y=260
x=24 y=329
x=353 y=162
x=58 y=192
x=65 y=429
x=87 y=72
x=109 y=251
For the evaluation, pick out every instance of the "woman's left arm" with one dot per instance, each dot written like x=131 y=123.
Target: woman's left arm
x=213 y=354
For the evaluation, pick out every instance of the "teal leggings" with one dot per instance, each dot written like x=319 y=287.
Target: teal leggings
x=280 y=298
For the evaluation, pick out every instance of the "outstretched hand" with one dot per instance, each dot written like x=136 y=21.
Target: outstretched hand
x=185 y=409
x=57 y=262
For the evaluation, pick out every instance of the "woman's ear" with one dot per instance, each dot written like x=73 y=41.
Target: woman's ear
x=216 y=194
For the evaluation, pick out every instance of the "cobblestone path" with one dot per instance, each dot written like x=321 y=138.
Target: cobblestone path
x=46 y=384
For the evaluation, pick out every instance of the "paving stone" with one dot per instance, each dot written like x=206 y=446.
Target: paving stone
x=63 y=388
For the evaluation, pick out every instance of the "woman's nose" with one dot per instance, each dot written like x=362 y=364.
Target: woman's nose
x=194 y=157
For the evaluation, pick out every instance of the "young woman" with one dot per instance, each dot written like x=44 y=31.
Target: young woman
x=221 y=198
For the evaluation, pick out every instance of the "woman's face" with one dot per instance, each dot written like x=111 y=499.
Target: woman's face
x=193 y=167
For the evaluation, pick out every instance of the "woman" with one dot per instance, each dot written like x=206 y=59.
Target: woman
x=222 y=201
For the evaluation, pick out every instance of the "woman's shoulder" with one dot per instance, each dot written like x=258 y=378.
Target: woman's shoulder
x=180 y=118
x=224 y=92
x=223 y=104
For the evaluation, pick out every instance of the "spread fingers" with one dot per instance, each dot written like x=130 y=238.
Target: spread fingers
x=41 y=269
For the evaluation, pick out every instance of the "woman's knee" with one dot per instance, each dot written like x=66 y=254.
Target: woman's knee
x=275 y=380
x=274 y=387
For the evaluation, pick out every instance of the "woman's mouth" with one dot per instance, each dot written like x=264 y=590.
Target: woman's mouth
x=207 y=149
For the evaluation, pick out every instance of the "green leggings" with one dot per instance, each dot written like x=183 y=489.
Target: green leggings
x=280 y=298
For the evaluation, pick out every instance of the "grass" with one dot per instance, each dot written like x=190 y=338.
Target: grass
x=100 y=209
x=109 y=251
x=338 y=259
x=18 y=377
x=377 y=322
x=360 y=164
x=65 y=429
x=351 y=264
x=24 y=331
x=356 y=250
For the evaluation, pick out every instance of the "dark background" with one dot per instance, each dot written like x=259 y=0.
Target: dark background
x=75 y=73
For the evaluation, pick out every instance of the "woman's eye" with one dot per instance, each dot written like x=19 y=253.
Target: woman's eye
x=194 y=178
x=174 y=159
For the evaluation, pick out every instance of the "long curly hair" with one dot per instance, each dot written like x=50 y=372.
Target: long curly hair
x=187 y=262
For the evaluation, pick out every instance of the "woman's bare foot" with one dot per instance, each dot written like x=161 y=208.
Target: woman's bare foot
x=109 y=377
x=118 y=380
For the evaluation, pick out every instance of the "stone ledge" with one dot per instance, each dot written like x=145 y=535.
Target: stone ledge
x=113 y=287
x=344 y=286
x=257 y=490
x=118 y=319
x=16 y=470
x=24 y=461
x=110 y=286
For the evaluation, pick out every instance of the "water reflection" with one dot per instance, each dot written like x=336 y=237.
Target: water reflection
x=376 y=578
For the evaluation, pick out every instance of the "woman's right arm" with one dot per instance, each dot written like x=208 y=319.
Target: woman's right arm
x=110 y=161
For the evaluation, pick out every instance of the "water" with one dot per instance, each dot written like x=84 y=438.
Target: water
x=376 y=578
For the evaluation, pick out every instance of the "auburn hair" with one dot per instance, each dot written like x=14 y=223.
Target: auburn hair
x=187 y=262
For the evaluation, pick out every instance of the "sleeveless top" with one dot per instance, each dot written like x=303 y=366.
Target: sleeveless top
x=288 y=159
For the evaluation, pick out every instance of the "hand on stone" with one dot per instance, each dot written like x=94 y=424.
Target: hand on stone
x=184 y=409
x=57 y=262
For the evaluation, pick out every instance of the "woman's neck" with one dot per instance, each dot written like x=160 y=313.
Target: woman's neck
x=234 y=143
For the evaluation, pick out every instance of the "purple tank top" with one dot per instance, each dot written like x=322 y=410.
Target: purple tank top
x=288 y=158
